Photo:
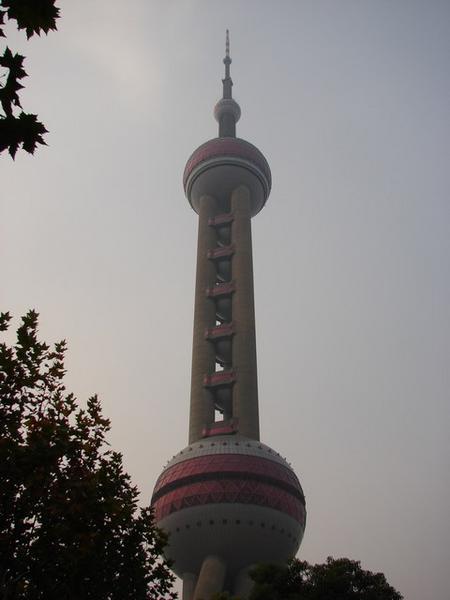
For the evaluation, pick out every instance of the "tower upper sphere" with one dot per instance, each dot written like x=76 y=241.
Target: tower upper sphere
x=222 y=164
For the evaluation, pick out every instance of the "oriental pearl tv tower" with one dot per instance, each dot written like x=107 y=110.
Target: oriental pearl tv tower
x=227 y=500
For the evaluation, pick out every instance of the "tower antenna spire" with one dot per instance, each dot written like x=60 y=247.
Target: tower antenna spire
x=227 y=81
x=227 y=111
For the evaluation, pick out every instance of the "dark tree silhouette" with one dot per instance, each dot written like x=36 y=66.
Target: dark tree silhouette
x=336 y=579
x=22 y=129
x=70 y=527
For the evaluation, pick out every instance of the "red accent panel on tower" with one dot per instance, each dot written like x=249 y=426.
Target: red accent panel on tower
x=221 y=219
x=221 y=331
x=221 y=289
x=220 y=251
x=219 y=378
x=221 y=428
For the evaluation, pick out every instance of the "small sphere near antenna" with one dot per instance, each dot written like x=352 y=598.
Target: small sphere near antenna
x=227 y=105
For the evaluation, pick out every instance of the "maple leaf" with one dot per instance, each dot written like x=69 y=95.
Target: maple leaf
x=8 y=93
x=33 y=15
x=32 y=131
x=13 y=62
x=23 y=130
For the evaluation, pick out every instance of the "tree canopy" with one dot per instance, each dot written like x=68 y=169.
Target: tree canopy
x=20 y=128
x=70 y=526
x=336 y=579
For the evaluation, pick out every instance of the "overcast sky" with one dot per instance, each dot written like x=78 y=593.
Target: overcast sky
x=349 y=101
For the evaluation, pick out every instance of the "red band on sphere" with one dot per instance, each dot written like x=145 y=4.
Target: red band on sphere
x=234 y=147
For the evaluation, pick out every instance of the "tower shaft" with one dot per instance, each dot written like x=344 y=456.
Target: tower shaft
x=224 y=372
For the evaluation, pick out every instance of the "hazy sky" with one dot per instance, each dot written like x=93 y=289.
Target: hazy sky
x=349 y=101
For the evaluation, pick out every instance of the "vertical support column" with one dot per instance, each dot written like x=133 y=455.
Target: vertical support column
x=211 y=578
x=243 y=583
x=203 y=356
x=189 y=582
x=245 y=393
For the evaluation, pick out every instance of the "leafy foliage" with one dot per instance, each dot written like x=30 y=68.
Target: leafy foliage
x=336 y=579
x=70 y=527
x=35 y=16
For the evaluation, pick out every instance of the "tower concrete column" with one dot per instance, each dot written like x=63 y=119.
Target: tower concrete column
x=203 y=355
x=245 y=392
x=211 y=578
x=189 y=582
x=243 y=583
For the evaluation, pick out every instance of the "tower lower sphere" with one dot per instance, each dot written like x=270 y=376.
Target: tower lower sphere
x=232 y=498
